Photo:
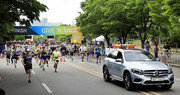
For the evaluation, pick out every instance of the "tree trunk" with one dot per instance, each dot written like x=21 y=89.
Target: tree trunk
x=107 y=39
x=120 y=40
x=176 y=47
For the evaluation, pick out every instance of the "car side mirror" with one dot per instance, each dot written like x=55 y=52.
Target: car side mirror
x=119 y=60
x=157 y=59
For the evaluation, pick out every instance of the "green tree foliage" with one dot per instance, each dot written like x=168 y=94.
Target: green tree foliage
x=23 y=12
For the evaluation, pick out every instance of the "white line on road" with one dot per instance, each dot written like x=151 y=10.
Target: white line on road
x=33 y=72
x=177 y=79
x=47 y=88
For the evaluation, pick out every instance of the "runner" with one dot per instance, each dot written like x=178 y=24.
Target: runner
x=56 y=56
x=71 y=50
x=63 y=51
x=27 y=62
x=49 y=52
x=98 y=54
x=1 y=51
x=88 y=53
x=8 y=55
x=15 y=56
x=39 y=53
x=82 y=50
x=43 y=57
x=35 y=51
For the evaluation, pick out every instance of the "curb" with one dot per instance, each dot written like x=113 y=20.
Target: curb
x=175 y=65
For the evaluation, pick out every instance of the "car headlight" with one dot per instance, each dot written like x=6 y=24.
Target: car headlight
x=137 y=71
x=170 y=71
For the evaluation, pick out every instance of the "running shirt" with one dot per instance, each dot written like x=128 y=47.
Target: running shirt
x=56 y=55
x=8 y=51
x=82 y=49
x=36 y=51
x=28 y=58
x=43 y=54
x=49 y=51
x=71 y=48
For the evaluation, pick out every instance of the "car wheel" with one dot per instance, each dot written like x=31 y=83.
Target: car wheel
x=166 y=86
x=128 y=82
x=106 y=75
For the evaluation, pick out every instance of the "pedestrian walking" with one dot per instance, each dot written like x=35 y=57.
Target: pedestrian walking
x=156 y=51
x=147 y=46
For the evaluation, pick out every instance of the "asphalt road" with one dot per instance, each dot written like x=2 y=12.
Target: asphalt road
x=72 y=78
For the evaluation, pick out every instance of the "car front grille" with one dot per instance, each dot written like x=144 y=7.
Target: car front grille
x=155 y=73
x=155 y=82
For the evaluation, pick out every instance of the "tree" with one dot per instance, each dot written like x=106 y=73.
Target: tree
x=92 y=19
x=23 y=12
x=120 y=18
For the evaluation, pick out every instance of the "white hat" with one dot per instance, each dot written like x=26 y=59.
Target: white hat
x=28 y=49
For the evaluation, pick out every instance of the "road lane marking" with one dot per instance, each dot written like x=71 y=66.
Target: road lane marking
x=155 y=93
x=47 y=88
x=145 y=93
x=86 y=68
x=101 y=75
x=177 y=79
x=33 y=72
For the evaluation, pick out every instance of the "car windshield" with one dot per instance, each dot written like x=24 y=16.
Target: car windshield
x=138 y=56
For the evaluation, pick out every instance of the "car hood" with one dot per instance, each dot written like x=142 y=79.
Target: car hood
x=148 y=65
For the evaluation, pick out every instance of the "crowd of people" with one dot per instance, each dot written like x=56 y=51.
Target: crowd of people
x=43 y=52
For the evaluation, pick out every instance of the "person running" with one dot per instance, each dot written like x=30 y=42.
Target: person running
x=43 y=57
x=39 y=53
x=15 y=55
x=56 y=56
x=35 y=51
x=63 y=51
x=98 y=51
x=71 y=50
x=88 y=52
x=48 y=54
x=82 y=50
x=1 y=51
x=27 y=62
x=8 y=55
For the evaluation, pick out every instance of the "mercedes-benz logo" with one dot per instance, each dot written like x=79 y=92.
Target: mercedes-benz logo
x=156 y=73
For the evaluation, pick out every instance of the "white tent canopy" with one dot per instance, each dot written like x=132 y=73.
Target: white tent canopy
x=100 y=38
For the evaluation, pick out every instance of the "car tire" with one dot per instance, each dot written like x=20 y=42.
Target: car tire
x=106 y=75
x=128 y=82
x=166 y=87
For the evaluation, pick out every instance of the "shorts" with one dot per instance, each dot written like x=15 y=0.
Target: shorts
x=35 y=54
x=8 y=56
x=98 y=55
x=71 y=53
x=67 y=52
x=63 y=53
x=92 y=53
x=75 y=51
x=57 y=60
x=15 y=57
x=43 y=59
x=48 y=57
x=89 y=53
x=28 y=67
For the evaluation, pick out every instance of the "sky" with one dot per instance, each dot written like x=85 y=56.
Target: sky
x=64 y=11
